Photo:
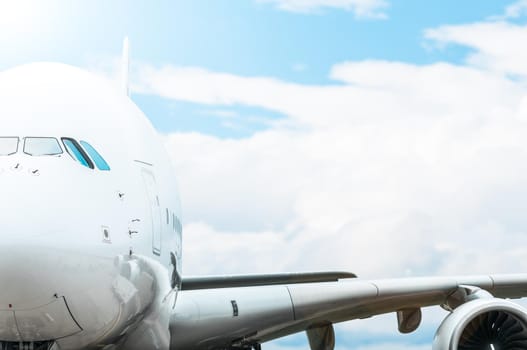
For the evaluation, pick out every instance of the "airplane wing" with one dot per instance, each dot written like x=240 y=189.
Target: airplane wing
x=232 y=316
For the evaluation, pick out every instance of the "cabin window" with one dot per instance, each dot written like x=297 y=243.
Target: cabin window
x=76 y=152
x=8 y=145
x=95 y=156
x=42 y=146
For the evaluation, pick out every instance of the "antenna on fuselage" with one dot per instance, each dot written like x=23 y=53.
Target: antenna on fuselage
x=125 y=67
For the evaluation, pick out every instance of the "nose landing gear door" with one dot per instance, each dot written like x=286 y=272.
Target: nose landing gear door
x=152 y=196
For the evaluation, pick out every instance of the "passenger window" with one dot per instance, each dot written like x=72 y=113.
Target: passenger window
x=97 y=158
x=42 y=146
x=8 y=146
x=76 y=152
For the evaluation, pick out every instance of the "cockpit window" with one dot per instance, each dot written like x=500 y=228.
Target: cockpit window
x=42 y=146
x=8 y=145
x=97 y=158
x=76 y=152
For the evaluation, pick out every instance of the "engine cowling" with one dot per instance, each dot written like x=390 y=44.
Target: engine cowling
x=493 y=324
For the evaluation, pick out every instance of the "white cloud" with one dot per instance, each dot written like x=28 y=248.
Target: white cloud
x=403 y=162
x=361 y=8
x=498 y=45
x=516 y=9
x=402 y=89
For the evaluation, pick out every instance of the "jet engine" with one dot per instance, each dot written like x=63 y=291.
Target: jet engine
x=490 y=323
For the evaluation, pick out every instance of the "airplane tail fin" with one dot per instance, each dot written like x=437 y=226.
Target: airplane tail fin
x=125 y=68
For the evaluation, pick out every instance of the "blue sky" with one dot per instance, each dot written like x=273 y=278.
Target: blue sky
x=241 y=36
x=389 y=142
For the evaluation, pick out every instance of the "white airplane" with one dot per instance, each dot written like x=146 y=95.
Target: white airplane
x=91 y=239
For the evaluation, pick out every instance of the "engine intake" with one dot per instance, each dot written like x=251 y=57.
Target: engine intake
x=493 y=324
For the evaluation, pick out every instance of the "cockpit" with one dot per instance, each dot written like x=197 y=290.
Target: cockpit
x=80 y=151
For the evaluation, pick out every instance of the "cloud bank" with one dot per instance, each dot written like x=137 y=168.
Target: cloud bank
x=409 y=163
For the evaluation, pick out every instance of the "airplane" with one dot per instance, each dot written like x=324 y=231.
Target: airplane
x=91 y=245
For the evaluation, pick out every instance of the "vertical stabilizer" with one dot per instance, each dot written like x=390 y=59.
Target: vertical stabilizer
x=126 y=67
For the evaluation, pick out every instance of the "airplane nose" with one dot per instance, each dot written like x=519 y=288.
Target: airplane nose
x=30 y=276
x=33 y=305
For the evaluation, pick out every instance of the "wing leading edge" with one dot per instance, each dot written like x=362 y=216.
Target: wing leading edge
x=230 y=281
x=221 y=318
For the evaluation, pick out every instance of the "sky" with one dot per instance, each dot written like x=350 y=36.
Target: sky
x=383 y=137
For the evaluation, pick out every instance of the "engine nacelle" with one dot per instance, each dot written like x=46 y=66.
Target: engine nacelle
x=483 y=324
